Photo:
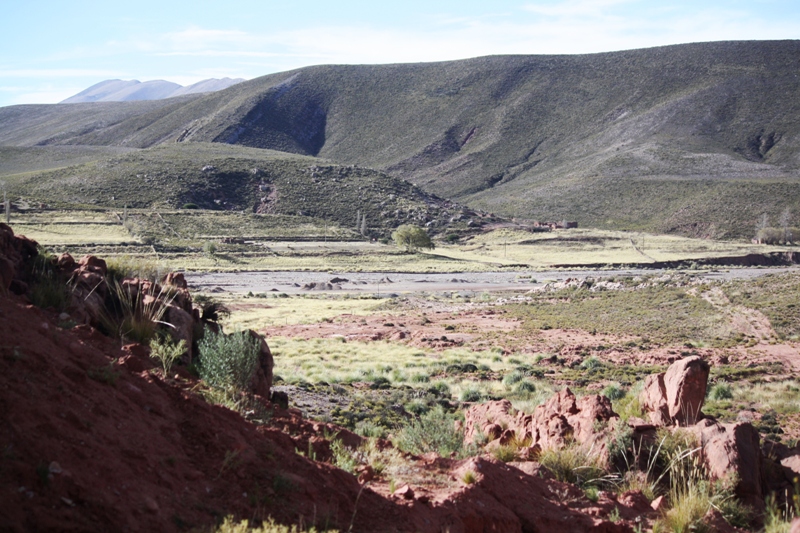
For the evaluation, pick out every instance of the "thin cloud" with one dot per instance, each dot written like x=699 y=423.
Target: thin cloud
x=56 y=73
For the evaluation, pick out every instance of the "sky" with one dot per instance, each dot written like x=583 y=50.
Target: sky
x=53 y=49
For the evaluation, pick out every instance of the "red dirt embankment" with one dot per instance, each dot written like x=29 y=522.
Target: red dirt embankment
x=92 y=440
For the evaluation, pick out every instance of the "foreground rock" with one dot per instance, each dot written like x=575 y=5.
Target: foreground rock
x=562 y=419
x=677 y=396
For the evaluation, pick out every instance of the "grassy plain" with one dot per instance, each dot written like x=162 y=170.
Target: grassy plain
x=182 y=239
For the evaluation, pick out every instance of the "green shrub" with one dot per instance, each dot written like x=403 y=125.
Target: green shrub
x=128 y=315
x=614 y=392
x=47 y=287
x=512 y=378
x=190 y=206
x=166 y=352
x=720 y=391
x=470 y=395
x=228 y=362
x=412 y=238
x=434 y=431
x=525 y=387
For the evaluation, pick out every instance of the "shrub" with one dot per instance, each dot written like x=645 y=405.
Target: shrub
x=209 y=248
x=614 y=392
x=434 y=431
x=166 y=352
x=512 y=378
x=469 y=477
x=190 y=206
x=412 y=238
x=470 y=395
x=591 y=363
x=228 y=362
x=525 y=387
x=128 y=315
x=47 y=288
x=720 y=391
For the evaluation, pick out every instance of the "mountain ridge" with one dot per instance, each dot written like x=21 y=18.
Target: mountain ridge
x=696 y=138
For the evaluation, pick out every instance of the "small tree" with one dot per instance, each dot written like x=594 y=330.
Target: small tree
x=412 y=238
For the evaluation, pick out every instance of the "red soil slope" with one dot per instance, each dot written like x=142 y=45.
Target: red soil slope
x=92 y=440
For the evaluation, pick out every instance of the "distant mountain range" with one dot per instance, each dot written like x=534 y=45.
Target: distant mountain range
x=130 y=90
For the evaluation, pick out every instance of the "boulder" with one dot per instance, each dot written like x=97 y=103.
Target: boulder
x=791 y=467
x=676 y=396
x=92 y=263
x=653 y=399
x=686 y=381
x=15 y=252
x=734 y=449
x=182 y=326
x=262 y=380
x=562 y=419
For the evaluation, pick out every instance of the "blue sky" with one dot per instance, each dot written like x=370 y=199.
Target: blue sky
x=50 y=50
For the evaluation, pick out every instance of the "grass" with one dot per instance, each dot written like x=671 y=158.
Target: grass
x=659 y=313
x=573 y=463
x=433 y=432
x=777 y=296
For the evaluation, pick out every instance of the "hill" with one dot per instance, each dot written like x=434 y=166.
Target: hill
x=231 y=178
x=699 y=139
x=132 y=90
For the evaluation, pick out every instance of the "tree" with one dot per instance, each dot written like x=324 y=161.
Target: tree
x=412 y=237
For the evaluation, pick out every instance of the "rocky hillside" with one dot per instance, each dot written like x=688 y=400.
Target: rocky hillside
x=224 y=177
x=699 y=139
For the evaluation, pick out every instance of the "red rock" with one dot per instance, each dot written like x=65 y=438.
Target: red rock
x=175 y=279
x=65 y=262
x=791 y=467
x=262 y=381
x=7 y=272
x=405 y=492
x=686 y=381
x=733 y=449
x=93 y=264
x=658 y=503
x=653 y=400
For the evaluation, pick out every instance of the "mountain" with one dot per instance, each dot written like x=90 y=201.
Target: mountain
x=698 y=139
x=132 y=90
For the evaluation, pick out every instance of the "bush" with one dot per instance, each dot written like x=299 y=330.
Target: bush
x=433 y=432
x=470 y=395
x=614 y=392
x=512 y=378
x=128 y=315
x=720 y=391
x=190 y=206
x=412 y=238
x=166 y=352
x=228 y=362
x=47 y=288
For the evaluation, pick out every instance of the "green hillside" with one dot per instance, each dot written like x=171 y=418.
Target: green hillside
x=234 y=178
x=698 y=138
